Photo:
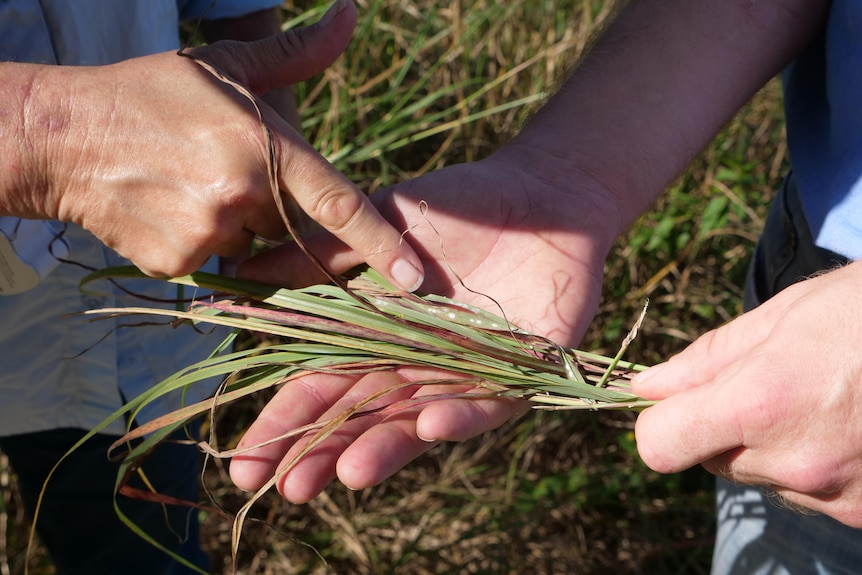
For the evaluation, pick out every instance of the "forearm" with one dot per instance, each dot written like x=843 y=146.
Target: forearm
x=655 y=88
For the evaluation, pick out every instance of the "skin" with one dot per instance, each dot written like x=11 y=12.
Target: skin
x=166 y=164
x=773 y=398
x=249 y=28
x=459 y=197
x=531 y=226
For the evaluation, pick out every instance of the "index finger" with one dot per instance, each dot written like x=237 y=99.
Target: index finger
x=688 y=428
x=298 y=402
x=330 y=199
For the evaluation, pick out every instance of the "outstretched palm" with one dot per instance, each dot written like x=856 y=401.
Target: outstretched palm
x=490 y=235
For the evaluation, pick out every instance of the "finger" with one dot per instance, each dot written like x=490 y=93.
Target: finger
x=457 y=420
x=234 y=245
x=288 y=266
x=315 y=470
x=160 y=254
x=365 y=451
x=749 y=404
x=841 y=502
x=840 y=505
x=688 y=428
x=786 y=461
x=297 y=403
x=381 y=451
x=706 y=357
x=387 y=447
x=342 y=209
x=183 y=259
x=287 y=58
x=390 y=445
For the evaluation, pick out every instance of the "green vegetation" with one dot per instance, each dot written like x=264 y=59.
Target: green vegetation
x=425 y=84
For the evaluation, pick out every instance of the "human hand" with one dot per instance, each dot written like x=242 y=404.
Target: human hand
x=519 y=238
x=772 y=398
x=168 y=165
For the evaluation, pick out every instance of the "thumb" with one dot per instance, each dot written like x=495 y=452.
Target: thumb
x=287 y=58
x=705 y=358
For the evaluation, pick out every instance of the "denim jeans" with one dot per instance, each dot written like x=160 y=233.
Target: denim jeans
x=756 y=534
x=77 y=522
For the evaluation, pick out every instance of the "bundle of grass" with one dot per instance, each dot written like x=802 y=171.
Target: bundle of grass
x=362 y=326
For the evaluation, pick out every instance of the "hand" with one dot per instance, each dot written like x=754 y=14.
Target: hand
x=515 y=237
x=772 y=398
x=167 y=164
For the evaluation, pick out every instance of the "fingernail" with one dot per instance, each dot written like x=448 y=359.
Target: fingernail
x=406 y=275
x=644 y=376
x=333 y=11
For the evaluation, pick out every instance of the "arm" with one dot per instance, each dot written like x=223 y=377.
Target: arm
x=544 y=210
x=656 y=87
x=129 y=152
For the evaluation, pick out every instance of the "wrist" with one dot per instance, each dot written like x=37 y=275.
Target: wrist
x=31 y=128
x=582 y=199
x=18 y=170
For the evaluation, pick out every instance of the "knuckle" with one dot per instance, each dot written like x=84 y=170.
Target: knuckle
x=768 y=407
x=813 y=473
x=229 y=200
x=292 y=43
x=166 y=268
x=336 y=209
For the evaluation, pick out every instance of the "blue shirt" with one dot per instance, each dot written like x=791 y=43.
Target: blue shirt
x=823 y=105
x=58 y=371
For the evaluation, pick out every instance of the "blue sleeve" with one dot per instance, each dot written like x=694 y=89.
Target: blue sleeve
x=217 y=9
